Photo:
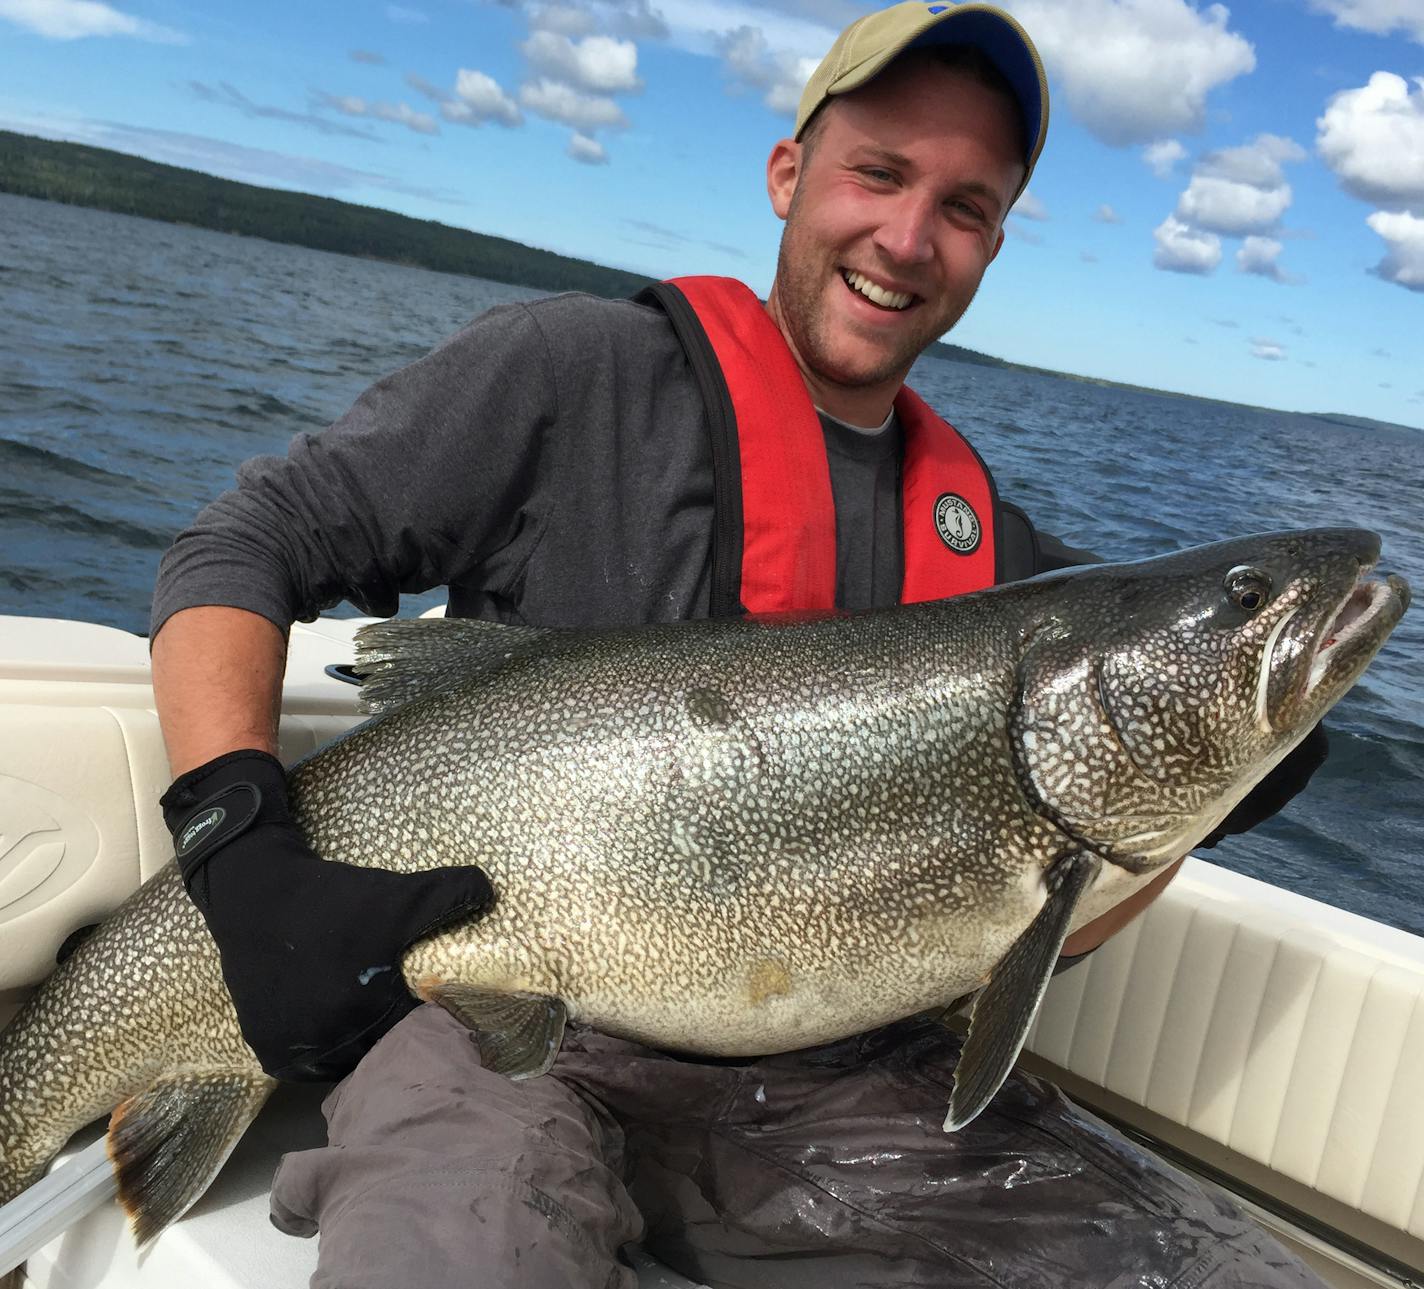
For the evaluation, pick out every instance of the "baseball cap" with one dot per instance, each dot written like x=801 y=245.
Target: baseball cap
x=865 y=48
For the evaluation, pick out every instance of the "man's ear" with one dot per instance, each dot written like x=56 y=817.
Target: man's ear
x=783 y=168
x=998 y=245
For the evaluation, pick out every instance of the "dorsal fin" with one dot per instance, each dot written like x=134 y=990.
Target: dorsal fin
x=409 y=658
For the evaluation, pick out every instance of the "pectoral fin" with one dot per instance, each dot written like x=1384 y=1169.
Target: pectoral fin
x=1004 y=1009
x=517 y=1034
x=168 y=1141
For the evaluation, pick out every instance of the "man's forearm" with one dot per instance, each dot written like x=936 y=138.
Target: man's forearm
x=1087 y=938
x=217 y=681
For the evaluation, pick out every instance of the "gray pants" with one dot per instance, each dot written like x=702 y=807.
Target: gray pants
x=822 y=1169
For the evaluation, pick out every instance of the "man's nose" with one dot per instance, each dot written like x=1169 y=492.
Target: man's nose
x=906 y=235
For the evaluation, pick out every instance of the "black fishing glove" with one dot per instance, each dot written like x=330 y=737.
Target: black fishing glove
x=1277 y=788
x=311 y=949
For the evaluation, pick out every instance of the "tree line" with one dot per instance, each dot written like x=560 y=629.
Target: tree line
x=80 y=175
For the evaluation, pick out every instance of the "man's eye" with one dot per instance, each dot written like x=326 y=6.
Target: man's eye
x=880 y=176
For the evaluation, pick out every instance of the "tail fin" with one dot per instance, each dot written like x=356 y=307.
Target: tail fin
x=163 y=1148
x=168 y=1142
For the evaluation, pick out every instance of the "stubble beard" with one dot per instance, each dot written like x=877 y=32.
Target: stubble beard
x=799 y=288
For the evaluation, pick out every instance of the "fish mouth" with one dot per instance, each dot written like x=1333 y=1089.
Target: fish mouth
x=1362 y=620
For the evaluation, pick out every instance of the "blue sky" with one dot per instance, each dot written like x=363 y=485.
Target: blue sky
x=1231 y=201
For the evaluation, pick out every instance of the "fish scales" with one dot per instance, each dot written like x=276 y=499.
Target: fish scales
x=736 y=837
x=736 y=814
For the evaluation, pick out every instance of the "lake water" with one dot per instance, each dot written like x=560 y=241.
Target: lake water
x=140 y=362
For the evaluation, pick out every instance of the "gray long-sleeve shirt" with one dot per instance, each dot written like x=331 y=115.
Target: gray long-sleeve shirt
x=550 y=463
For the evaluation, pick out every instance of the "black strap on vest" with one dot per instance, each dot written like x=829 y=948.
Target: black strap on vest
x=726 y=593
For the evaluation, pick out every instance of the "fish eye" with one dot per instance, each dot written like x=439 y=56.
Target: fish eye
x=1248 y=588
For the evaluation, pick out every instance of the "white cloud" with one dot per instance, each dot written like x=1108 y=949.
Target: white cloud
x=1381 y=17
x=635 y=19
x=556 y=101
x=1223 y=206
x=404 y=114
x=1161 y=157
x=1242 y=190
x=700 y=26
x=400 y=113
x=563 y=19
x=1404 y=264
x=478 y=98
x=1271 y=350
x=778 y=76
x=1133 y=71
x=630 y=19
x=1183 y=249
x=369 y=57
x=1260 y=256
x=230 y=96
x=590 y=151
x=598 y=63
x=1373 y=139
x=1258 y=162
x=1029 y=207
x=75 y=19
x=1105 y=214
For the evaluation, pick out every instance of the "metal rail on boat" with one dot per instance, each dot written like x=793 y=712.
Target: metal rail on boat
x=54 y=1203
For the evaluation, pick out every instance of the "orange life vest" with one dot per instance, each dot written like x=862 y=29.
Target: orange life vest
x=774 y=545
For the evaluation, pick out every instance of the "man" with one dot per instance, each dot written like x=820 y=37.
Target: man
x=578 y=462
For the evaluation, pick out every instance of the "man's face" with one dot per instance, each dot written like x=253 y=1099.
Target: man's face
x=892 y=216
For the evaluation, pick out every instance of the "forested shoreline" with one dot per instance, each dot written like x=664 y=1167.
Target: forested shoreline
x=80 y=175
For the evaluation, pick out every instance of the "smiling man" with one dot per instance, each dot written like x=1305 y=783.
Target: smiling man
x=894 y=203
x=692 y=453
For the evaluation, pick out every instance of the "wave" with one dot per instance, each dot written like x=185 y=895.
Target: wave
x=17 y=456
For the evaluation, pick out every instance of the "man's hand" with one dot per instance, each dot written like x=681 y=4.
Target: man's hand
x=1276 y=789
x=311 y=949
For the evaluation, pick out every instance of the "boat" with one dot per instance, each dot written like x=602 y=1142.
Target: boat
x=1267 y=1042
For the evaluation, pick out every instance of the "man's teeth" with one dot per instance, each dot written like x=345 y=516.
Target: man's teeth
x=876 y=294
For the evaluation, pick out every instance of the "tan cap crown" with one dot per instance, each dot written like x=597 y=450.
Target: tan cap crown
x=870 y=44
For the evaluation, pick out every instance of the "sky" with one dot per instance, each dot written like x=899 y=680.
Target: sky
x=1230 y=202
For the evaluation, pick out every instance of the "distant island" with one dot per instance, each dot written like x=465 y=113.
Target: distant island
x=80 y=175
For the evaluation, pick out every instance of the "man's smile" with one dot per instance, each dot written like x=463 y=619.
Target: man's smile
x=877 y=294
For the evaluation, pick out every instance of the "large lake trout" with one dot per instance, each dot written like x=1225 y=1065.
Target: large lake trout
x=736 y=837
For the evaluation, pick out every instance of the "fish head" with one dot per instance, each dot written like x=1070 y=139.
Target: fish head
x=1152 y=696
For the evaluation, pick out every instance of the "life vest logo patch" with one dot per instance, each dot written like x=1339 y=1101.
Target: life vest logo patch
x=957 y=524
